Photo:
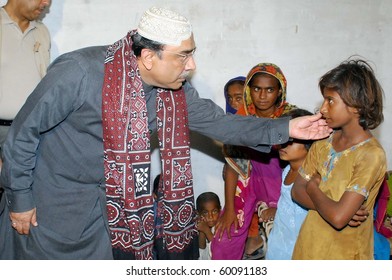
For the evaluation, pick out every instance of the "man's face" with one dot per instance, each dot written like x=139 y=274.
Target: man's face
x=32 y=9
x=174 y=65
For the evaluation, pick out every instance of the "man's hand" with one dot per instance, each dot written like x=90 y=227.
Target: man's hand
x=309 y=127
x=359 y=217
x=21 y=221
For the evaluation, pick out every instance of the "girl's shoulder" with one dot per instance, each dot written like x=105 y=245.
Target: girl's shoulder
x=326 y=142
x=373 y=147
x=373 y=141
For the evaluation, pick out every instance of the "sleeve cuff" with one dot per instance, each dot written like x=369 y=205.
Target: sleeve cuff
x=280 y=130
x=19 y=202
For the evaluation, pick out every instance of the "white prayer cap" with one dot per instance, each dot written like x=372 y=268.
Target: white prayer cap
x=164 y=26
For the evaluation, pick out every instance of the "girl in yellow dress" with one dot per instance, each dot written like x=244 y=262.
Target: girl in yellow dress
x=344 y=171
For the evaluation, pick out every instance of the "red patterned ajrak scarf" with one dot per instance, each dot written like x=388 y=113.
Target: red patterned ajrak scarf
x=127 y=159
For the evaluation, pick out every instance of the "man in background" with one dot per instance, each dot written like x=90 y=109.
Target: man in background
x=24 y=56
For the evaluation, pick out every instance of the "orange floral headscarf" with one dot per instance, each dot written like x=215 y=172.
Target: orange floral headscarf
x=273 y=70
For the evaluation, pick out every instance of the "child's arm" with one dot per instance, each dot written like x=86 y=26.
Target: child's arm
x=204 y=234
x=202 y=240
x=299 y=194
x=337 y=213
x=229 y=216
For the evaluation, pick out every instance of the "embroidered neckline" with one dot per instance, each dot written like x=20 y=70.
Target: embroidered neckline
x=334 y=156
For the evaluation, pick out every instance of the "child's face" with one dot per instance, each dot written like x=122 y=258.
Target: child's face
x=292 y=151
x=264 y=91
x=210 y=213
x=336 y=113
x=234 y=94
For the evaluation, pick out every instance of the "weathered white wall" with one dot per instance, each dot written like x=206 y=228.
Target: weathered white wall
x=305 y=38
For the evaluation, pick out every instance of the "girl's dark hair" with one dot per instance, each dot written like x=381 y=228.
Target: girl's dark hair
x=140 y=43
x=295 y=113
x=358 y=87
x=206 y=197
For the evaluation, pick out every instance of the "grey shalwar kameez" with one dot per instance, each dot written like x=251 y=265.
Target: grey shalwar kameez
x=53 y=158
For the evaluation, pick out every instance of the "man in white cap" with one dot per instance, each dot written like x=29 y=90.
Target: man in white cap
x=77 y=158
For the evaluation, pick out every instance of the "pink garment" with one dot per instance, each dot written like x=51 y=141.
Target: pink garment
x=382 y=202
x=263 y=185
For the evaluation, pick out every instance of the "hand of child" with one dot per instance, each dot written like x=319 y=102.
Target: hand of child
x=203 y=226
x=267 y=215
x=314 y=182
x=359 y=217
x=224 y=224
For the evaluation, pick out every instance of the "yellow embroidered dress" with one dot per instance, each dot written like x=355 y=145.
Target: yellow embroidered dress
x=361 y=169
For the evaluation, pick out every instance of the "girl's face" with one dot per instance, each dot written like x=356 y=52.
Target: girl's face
x=264 y=91
x=210 y=213
x=336 y=113
x=234 y=94
x=292 y=151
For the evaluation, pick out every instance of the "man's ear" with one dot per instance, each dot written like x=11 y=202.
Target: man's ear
x=146 y=57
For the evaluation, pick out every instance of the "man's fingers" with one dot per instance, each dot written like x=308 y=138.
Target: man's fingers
x=21 y=227
x=34 y=221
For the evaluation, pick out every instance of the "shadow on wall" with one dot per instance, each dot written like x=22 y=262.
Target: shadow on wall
x=53 y=19
x=206 y=146
x=200 y=143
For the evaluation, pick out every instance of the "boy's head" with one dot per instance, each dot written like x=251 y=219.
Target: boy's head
x=208 y=206
x=297 y=148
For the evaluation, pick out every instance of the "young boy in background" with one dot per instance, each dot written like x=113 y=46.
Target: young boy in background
x=208 y=208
